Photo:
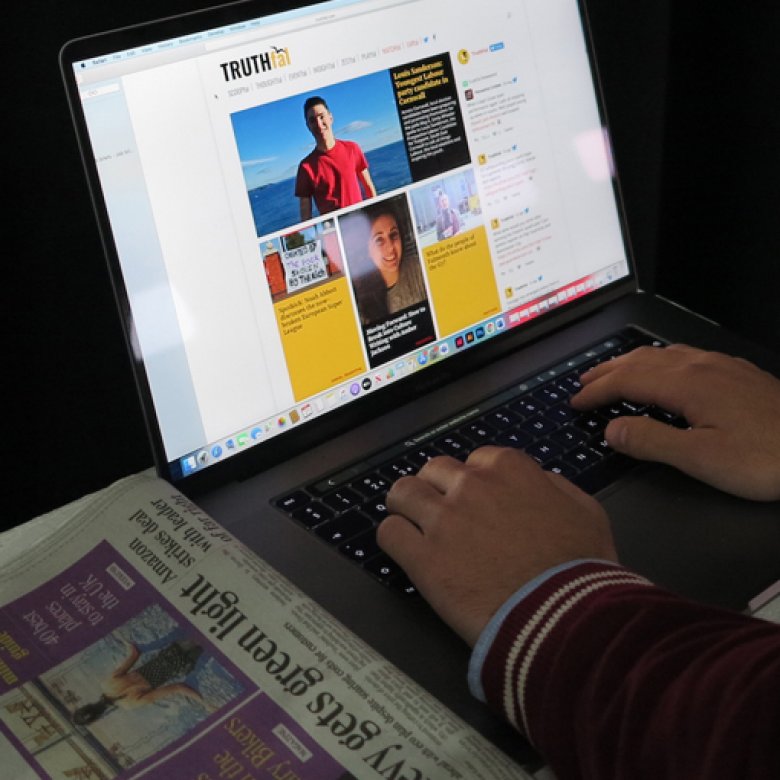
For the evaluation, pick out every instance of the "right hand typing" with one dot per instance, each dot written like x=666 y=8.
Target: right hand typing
x=732 y=406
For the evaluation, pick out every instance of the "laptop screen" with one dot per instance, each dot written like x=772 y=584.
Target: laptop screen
x=310 y=207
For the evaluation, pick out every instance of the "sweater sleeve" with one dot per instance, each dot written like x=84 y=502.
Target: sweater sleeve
x=611 y=677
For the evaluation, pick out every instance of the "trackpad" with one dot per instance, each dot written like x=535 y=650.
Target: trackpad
x=693 y=539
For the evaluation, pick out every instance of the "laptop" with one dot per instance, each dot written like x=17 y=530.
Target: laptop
x=338 y=233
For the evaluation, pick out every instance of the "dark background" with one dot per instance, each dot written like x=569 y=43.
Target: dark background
x=695 y=116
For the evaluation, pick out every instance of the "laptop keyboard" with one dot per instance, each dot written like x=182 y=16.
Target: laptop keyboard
x=345 y=507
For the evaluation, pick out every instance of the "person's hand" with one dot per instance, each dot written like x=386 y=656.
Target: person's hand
x=732 y=406
x=470 y=534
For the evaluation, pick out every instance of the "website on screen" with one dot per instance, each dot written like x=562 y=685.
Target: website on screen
x=305 y=212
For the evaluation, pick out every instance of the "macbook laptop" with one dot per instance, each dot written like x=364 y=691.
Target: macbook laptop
x=345 y=237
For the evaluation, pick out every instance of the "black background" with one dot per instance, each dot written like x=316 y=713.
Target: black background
x=694 y=109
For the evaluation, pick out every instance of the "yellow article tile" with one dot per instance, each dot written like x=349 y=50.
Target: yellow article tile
x=460 y=275
x=320 y=338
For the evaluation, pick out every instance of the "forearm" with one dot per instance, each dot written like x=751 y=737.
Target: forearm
x=612 y=677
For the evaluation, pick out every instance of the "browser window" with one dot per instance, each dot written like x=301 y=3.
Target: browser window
x=311 y=206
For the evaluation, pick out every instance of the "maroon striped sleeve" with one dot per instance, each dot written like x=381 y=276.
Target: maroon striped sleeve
x=612 y=677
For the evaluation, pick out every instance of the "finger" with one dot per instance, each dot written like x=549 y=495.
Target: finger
x=646 y=358
x=416 y=498
x=689 y=451
x=602 y=382
x=647 y=439
x=685 y=348
x=504 y=458
x=439 y=472
x=651 y=382
x=640 y=355
x=401 y=540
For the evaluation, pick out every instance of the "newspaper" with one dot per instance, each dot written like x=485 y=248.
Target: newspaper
x=139 y=639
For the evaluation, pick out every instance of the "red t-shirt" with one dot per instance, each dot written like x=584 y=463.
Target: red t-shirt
x=331 y=177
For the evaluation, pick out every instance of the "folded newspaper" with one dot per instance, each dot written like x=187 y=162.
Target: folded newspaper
x=139 y=639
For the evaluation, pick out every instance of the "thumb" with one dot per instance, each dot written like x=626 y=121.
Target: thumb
x=646 y=439
x=706 y=454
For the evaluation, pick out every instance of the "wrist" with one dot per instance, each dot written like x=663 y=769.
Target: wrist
x=491 y=630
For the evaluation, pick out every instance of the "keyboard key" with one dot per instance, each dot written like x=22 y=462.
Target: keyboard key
x=514 y=438
x=592 y=363
x=527 y=406
x=361 y=547
x=421 y=455
x=402 y=584
x=371 y=484
x=383 y=567
x=397 y=469
x=342 y=499
x=376 y=509
x=312 y=514
x=569 y=437
x=668 y=417
x=538 y=425
x=581 y=458
x=344 y=527
x=599 y=444
x=544 y=451
x=454 y=445
x=479 y=432
x=570 y=384
x=549 y=395
x=635 y=338
x=293 y=501
x=562 y=413
x=590 y=422
x=501 y=418
x=612 y=411
x=559 y=467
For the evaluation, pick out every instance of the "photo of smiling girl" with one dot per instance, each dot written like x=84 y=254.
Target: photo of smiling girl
x=387 y=277
x=383 y=259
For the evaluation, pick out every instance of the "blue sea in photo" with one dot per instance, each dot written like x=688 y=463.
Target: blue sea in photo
x=275 y=207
